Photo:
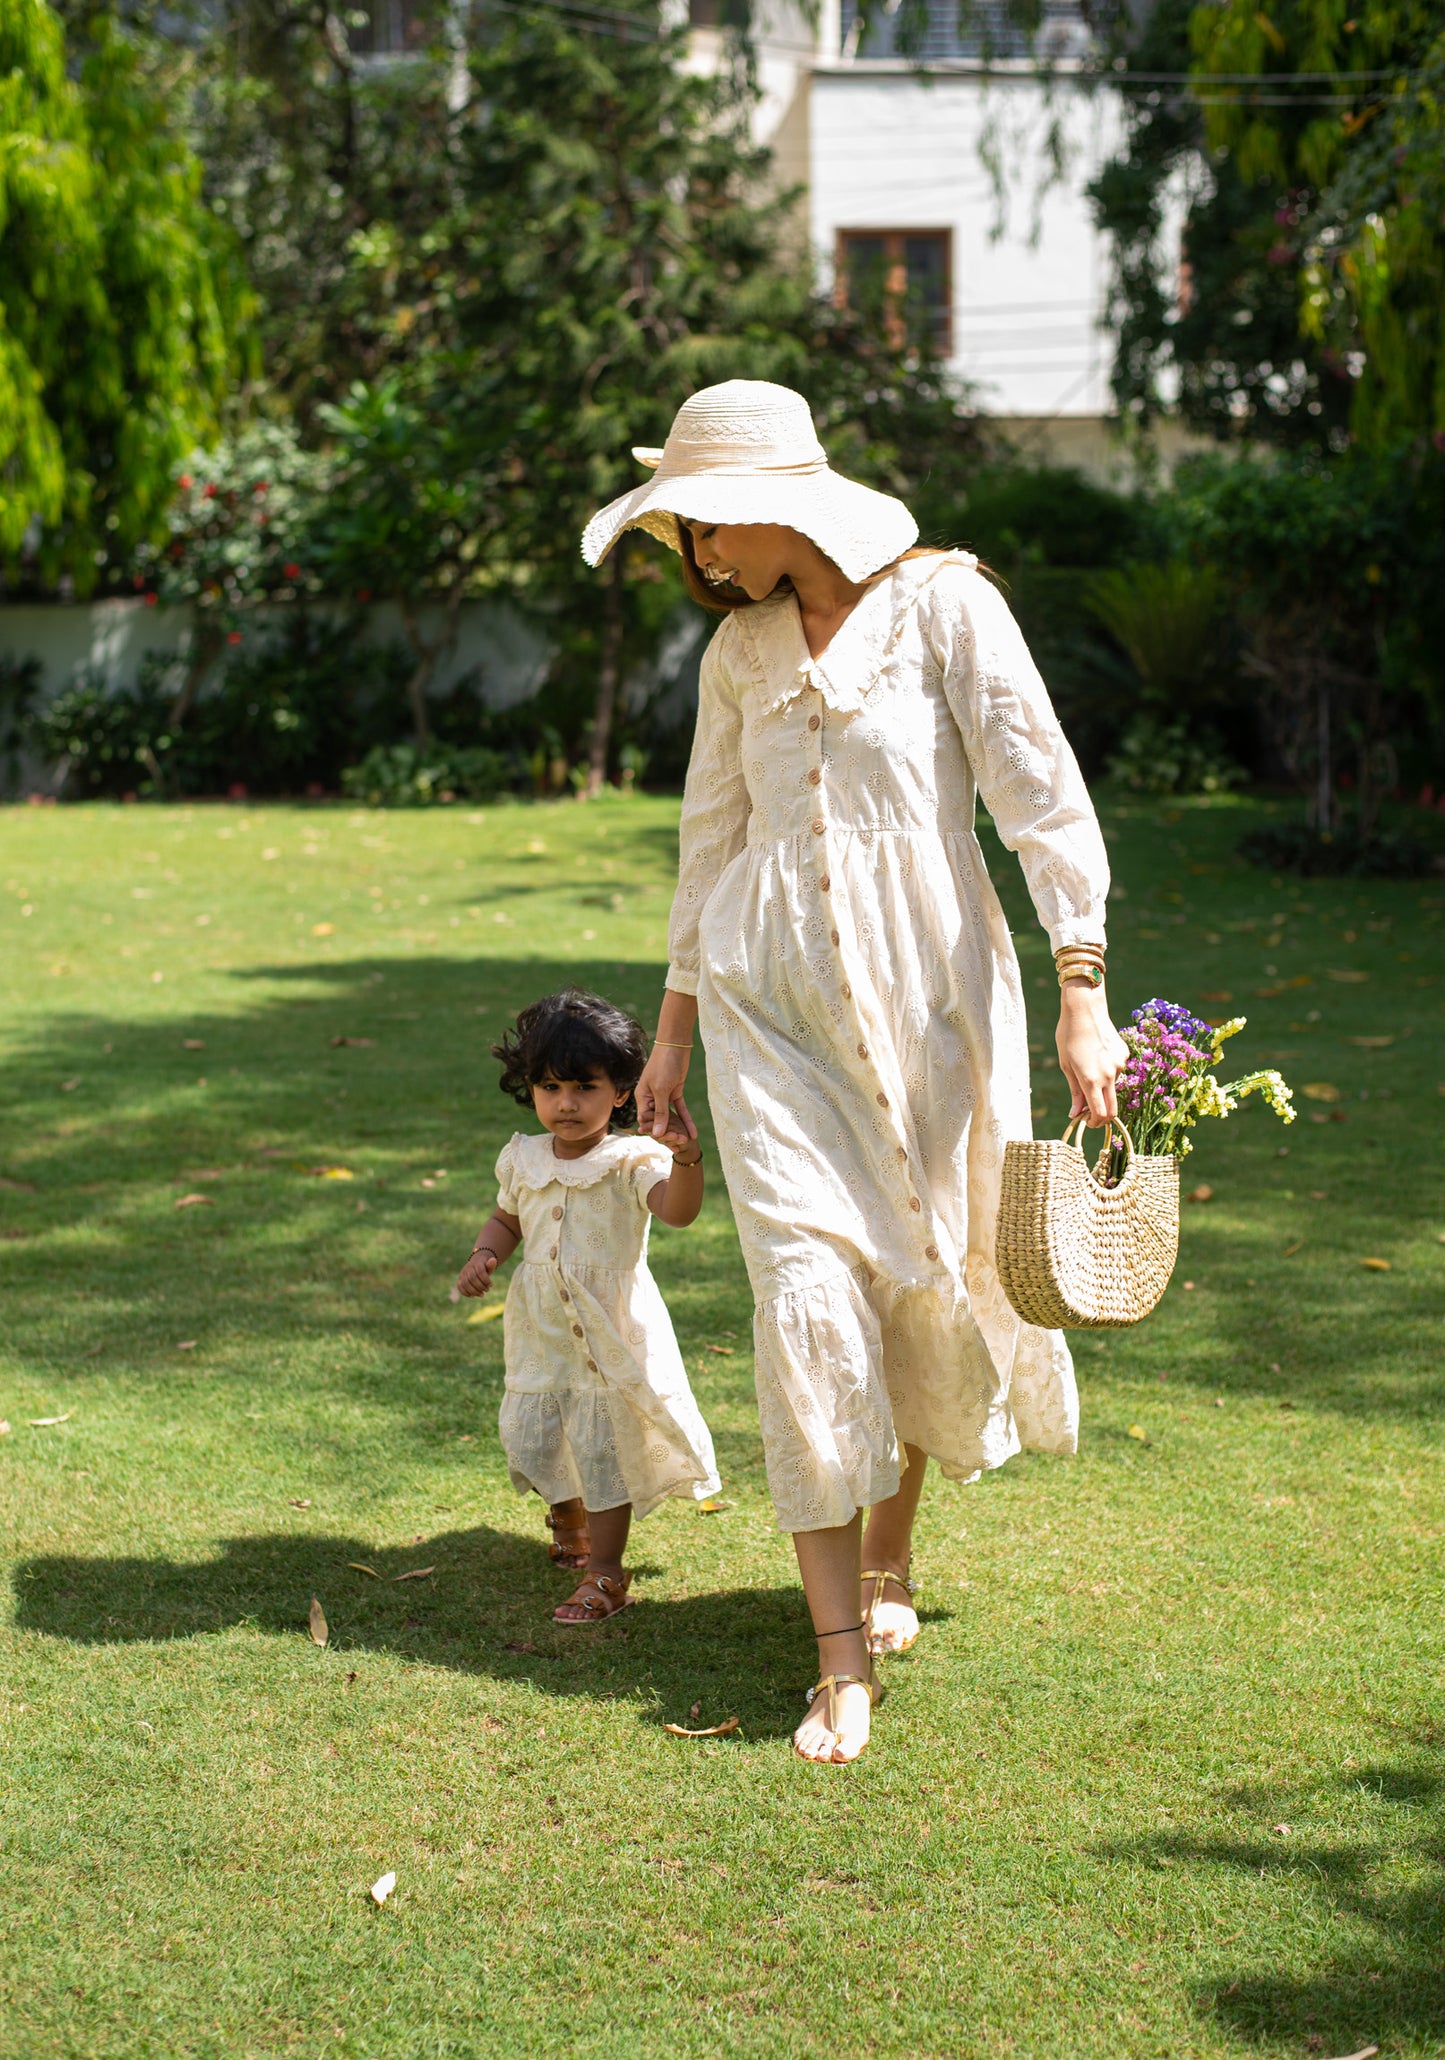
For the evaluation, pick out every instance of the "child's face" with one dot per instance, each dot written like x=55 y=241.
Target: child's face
x=575 y=1109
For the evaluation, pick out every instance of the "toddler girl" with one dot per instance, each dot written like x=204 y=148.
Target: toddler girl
x=597 y=1415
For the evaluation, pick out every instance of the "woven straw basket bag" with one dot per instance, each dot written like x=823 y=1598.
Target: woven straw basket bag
x=1073 y=1253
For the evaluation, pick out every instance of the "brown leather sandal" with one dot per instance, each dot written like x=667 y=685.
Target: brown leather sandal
x=571 y=1541
x=601 y=1596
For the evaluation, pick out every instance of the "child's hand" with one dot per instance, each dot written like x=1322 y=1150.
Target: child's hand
x=476 y=1276
x=677 y=1137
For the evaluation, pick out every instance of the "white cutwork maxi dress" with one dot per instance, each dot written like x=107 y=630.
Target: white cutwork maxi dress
x=861 y=1009
x=597 y=1401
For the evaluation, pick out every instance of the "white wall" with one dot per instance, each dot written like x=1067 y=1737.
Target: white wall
x=891 y=149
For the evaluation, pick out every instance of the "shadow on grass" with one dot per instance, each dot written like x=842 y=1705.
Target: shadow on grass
x=1394 y=1886
x=486 y=1609
x=276 y=1250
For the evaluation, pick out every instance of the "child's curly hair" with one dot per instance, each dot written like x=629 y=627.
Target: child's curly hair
x=574 y=1036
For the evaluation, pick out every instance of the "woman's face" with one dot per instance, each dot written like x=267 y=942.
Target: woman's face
x=750 y=555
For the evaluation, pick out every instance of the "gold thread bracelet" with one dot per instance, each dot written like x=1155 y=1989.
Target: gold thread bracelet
x=672 y=1044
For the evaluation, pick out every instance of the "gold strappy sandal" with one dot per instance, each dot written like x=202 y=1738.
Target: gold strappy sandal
x=880 y=1576
x=833 y=1682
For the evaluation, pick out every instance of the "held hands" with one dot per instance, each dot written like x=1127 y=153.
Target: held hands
x=1091 y=1051
x=661 y=1110
x=476 y=1276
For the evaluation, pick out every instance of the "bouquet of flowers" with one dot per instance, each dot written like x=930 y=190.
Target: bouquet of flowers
x=1169 y=1081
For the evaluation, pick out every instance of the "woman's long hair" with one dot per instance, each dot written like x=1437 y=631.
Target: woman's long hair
x=725 y=600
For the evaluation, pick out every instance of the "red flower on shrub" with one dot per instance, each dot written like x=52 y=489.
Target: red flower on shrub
x=152 y=600
x=208 y=492
x=363 y=593
x=233 y=636
x=236 y=791
x=291 y=571
x=185 y=480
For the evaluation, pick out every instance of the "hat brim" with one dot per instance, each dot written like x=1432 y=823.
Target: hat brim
x=860 y=529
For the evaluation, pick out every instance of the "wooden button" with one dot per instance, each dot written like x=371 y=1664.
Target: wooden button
x=557 y=1215
x=846 y=991
x=814 y=777
x=835 y=937
x=903 y=1151
x=814 y=721
x=552 y=1252
x=819 y=826
x=576 y=1330
x=825 y=883
x=592 y=1366
x=882 y=1100
x=930 y=1251
x=914 y=1204
x=862 y=1051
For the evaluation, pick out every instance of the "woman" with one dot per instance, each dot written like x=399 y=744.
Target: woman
x=836 y=933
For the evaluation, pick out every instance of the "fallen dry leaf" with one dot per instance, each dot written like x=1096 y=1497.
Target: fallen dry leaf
x=1281 y=1830
x=713 y=1506
x=1377 y=1265
x=40 y=1423
x=333 y=1172
x=323 y=929
x=1203 y=1193
x=319 y=1628
x=1370 y=1043
x=723 y=1351
x=4 y=1428
x=724 y=1730
x=488 y=1315
x=1137 y=1430
x=1348 y=974
x=299 y=1501
x=521 y=1646
x=380 y=1890
x=193 y=1044
x=1365 y=2052
x=416 y=1573
x=1321 y=1091
x=360 y=1043
x=69 y=1086
x=359 y=1567
x=190 y=1201
x=1290 y=1250
x=187 y=1344
x=1216 y=994
x=18 y=1187
x=352 y=1677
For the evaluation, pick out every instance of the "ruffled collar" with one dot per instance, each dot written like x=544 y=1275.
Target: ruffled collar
x=536 y=1165
x=857 y=660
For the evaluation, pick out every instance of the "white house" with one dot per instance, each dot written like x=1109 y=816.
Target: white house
x=961 y=171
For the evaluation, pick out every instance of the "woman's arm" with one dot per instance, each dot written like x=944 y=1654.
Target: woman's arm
x=711 y=832
x=1030 y=783
x=498 y=1238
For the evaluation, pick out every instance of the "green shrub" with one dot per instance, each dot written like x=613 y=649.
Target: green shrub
x=107 y=742
x=1158 y=757
x=405 y=776
x=1338 y=854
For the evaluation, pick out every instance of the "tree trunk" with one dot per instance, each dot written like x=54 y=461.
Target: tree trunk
x=608 y=675
x=1324 y=785
x=205 y=649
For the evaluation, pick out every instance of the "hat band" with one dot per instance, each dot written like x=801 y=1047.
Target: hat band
x=706 y=464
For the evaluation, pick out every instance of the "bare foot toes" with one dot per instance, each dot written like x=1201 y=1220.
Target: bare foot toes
x=894 y=1628
x=815 y=1739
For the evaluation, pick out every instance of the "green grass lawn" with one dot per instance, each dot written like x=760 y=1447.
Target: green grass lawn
x=1164 y=1774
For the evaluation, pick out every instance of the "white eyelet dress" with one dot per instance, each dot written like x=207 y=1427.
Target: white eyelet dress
x=861 y=1009
x=597 y=1401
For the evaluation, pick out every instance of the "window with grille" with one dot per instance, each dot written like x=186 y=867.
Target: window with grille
x=908 y=271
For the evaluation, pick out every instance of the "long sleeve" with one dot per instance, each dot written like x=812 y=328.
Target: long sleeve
x=1026 y=773
x=715 y=809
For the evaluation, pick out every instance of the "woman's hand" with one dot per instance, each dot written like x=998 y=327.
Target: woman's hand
x=1091 y=1051
x=476 y=1276
x=661 y=1110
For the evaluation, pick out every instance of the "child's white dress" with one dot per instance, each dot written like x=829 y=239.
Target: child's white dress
x=597 y=1401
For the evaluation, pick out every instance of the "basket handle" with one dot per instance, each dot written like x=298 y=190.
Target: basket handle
x=1110 y=1125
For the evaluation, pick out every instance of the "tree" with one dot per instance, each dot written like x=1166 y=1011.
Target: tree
x=121 y=306
x=1312 y=299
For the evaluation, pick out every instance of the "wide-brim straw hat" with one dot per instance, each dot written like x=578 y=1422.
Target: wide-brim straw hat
x=747 y=451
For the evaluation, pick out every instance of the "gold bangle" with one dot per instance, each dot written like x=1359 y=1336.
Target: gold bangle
x=1094 y=974
x=1095 y=951
x=672 y=1044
